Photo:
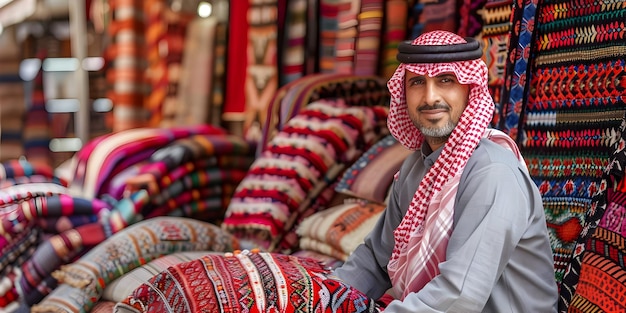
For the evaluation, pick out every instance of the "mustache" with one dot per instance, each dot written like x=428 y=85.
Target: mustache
x=436 y=106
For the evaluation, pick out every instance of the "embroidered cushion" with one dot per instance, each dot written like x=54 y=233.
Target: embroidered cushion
x=293 y=177
x=370 y=177
x=338 y=230
x=82 y=282
x=246 y=282
x=123 y=286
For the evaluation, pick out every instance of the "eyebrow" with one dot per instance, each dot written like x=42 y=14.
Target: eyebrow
x=442 y=75
x=446 y=75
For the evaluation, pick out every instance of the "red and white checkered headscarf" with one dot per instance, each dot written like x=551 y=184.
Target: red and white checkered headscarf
x=422 y=236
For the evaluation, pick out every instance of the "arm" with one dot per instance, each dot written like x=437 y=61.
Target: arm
x=491 y=216
x=366 y=268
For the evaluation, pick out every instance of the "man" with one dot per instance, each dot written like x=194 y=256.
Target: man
x=464 y=230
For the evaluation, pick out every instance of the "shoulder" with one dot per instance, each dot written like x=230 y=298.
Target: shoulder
x=492 y=162
x=490 y=153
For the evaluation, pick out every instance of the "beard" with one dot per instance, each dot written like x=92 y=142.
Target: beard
x=437 y=132
x=434 y=132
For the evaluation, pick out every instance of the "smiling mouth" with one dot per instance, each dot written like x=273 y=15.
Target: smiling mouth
x=436 y=107
x=433 y=113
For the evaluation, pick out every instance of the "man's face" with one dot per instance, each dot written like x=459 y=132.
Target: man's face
x=435 y=104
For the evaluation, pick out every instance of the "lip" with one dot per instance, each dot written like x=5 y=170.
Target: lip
x=433 y=113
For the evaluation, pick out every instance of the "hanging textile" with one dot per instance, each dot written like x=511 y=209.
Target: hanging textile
x=261 y=75
x=471 y=22
x=496 y=16
x=396 y=16
x=345 y=44
x=328 y=28
x=435 y=15
x=368 y=41
x=36 y=134
x=196 y=75
x=12 y=106
x=176 y=23
x=293 y=40
x=125 y=54
x=156 y=74
x=573 y=107
x=516 y=84
x=220 y=9
x=235 y=101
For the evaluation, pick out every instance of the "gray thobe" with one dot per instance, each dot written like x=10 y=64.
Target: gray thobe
x=498 y=257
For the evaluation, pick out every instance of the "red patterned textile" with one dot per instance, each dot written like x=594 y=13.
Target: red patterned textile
x=292 y=177
x=261 y=73
x=124 y=53
x=235 y=100
x=246 y=282
x=602 y=283
x=82 y=283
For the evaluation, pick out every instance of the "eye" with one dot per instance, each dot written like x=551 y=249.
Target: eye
x=448 y=79
x=416 y=81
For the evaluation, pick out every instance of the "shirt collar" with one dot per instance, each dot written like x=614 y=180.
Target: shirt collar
x=429 y=155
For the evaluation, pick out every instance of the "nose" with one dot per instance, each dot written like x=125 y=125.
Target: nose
x=432 y=94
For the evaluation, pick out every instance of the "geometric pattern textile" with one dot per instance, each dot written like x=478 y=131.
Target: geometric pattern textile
x=602 y=283
x=395 y=19
x=292 y=49
x=126 y=70
x=82 y=282
x=123 y=286
x=295 y=96
x=370 y=177
x=246 y=282
x=573 y=109
x=261 y=78
x=517 y=66
x=495 y=33
x=288 y=180
x=338 y=230
x=605 y=216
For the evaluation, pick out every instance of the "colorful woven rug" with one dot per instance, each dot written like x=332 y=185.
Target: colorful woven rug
x=594 y=280
x=495 y=34
x=235 y=99
x=12 y=97
x=572 y=107
x=295 y=96
x=82 y=282
x=261 y=80
x=338 y=230
x=292 y=44
x=126 y=70
x=246 y=282
x=293 y=176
